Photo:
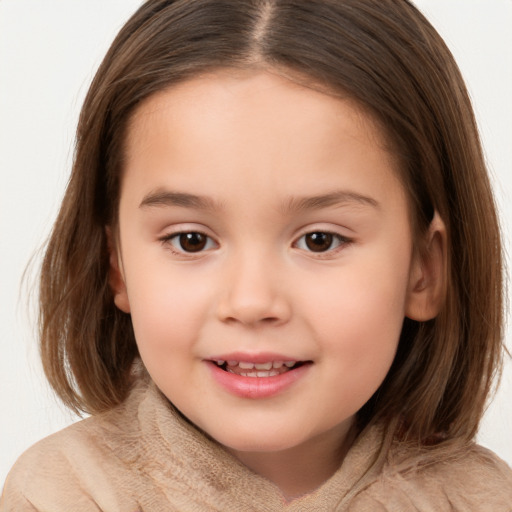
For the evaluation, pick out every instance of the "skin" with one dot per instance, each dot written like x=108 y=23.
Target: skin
x=240 y=142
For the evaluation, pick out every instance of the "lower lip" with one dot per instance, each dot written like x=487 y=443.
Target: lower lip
x=257 y=387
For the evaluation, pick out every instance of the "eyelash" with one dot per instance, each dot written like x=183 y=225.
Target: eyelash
x=341 y=241
x=332 y=238
x=167 y=240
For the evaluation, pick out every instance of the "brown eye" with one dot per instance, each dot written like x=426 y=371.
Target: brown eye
x=319 y=242
x=190 y=242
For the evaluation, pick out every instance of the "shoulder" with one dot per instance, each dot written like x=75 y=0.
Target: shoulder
x=466 y=478
x=73 y=469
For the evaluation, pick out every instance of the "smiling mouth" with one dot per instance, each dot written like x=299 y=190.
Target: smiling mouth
x=268 y=369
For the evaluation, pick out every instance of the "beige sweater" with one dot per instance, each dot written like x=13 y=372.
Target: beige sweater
x=143 y=456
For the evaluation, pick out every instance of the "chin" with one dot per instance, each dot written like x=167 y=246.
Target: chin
x=259 y=442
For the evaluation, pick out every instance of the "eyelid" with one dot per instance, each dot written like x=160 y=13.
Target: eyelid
x=343 y=240
x=171 y=233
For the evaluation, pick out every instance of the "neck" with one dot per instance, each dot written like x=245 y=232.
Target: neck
x=300 y=470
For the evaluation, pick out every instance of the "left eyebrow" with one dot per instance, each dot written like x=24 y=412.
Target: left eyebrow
x=337 y=198
x=162 y=198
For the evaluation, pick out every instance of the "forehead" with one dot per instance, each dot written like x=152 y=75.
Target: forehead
x=251 y=94
x=256 y=127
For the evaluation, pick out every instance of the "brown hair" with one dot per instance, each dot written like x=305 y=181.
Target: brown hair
x=382 y=53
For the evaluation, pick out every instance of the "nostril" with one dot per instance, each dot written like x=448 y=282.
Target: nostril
x=251 y=318
x=253 y=304
x=270 y=319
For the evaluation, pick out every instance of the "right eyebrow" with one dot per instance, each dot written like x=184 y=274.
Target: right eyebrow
x=162 y=198
x=336 y=198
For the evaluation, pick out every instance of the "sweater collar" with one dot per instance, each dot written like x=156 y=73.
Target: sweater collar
x=216 y=480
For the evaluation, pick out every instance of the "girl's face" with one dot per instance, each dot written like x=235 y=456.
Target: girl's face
x=265 y=255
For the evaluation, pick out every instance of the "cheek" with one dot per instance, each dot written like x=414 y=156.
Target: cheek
x=359 y=316
x=167 y=309
x=359 y=334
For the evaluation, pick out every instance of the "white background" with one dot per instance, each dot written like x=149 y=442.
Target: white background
x=49 y=51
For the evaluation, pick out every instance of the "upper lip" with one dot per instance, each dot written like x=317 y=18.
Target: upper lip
x=255 y=358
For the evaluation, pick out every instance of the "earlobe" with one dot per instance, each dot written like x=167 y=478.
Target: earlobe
x=427 y=282
x=115 y=275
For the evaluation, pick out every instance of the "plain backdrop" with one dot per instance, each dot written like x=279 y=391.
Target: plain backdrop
x=49 y=51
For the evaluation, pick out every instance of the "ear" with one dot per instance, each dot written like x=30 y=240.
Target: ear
x=427 y=280
x=115 y=274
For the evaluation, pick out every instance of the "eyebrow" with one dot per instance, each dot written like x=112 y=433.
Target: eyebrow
x=160 y=198
x=337 y=198
x=163 y=198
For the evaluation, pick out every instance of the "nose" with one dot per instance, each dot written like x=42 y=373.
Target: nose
x=254 y=293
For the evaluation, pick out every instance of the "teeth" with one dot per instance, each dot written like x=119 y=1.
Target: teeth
x=259 y=366
x=267 y=374
x=261 y=374
x=264 y=366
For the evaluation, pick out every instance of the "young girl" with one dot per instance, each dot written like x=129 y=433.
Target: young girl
x=275 y=279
